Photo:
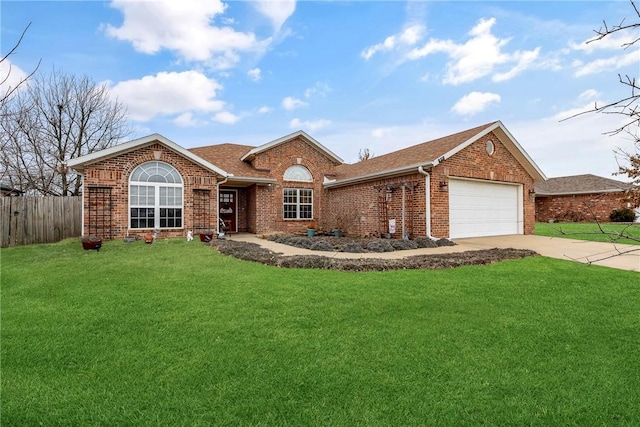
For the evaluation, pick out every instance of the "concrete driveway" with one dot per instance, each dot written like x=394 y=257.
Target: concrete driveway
x=623 y=257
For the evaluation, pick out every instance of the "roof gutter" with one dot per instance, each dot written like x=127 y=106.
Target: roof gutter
x=376 y=175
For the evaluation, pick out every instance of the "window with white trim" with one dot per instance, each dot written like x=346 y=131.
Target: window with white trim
x=298 y=203
x=298 y=173
x=155 y=196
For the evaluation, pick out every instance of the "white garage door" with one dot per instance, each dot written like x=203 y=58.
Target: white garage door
x=484 y=208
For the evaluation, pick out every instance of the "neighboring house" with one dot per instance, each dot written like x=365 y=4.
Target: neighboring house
x=580 y=198
x=478 y=182
x=7 y=191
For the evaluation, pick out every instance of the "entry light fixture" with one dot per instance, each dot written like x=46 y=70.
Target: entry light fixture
x=443 y=186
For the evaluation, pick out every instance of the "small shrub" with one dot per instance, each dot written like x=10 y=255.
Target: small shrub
x=403 y=245
x=354 y=248
x=300 y=242
x=622 y=215
x=425 y=242
x=379 y=246
x=444 y=242
x=321 y=246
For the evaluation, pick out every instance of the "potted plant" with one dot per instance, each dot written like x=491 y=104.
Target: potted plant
x=91 y=242
x=206 y=236
x=336 y=232
x=311 y=229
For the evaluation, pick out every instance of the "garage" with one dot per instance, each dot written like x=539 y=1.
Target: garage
x=484 y=208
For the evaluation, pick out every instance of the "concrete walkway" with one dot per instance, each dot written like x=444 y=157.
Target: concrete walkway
x=623 y=257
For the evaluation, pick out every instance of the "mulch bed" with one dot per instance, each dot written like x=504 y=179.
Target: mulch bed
x=253 y=252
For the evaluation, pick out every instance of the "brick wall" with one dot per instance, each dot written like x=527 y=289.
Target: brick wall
x=269 y=199
x=115 y=172
x=360 y=202
x=583 y=207
x=474 y=162
x=364 y=209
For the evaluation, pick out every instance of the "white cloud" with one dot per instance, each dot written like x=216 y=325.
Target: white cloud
x=589 y=94
x=310 y=125
x=185 y=120
x=475 y=102
x=183 y=27
x=225 y=117
x=481 y=55
x=380 y=132
x=264 y=109
x=319 y=88
x=611 y=42
x=10 y=77
x=291 y=103
x=255 y=74
x=278 y=11
x=168 y=94
x=524 y=62
x=408 y=37
x=613 y=63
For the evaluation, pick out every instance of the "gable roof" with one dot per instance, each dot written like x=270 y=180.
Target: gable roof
x=431 y=153
x=579 y=184
x=228 y=157
x=79 y=163
x=298 y=134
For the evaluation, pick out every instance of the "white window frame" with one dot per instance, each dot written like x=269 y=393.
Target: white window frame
x=297 y=173
x=297 y=203
x=156 y=185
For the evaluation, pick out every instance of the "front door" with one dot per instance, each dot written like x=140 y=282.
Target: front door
x=228 y=210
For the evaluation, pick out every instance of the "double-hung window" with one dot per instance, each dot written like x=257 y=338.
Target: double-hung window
x=155 y=196
x=298 y=203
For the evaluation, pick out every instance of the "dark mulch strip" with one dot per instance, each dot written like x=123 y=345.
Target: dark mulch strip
x=253 y=252
x=356 y=245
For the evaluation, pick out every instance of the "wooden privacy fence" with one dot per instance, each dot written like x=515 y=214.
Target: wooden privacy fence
x=27 y=220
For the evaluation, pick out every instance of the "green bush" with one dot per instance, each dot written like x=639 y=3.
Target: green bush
x=622 y=215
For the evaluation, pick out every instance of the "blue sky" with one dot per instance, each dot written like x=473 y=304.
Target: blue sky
x=381 y=75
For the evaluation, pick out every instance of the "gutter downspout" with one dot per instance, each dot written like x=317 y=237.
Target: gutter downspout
x=219 y=183
x=427 y=198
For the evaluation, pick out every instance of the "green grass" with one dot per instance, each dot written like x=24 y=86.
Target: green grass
x=175 y=334
x=589 y=231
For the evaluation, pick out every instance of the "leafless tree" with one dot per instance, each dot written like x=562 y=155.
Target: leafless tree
x=365 y=154
x=4 y=96
x=56 y=117
x=629 y=106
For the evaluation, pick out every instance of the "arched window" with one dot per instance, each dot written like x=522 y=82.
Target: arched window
x=298 y=202
x=298 y=173
x=155 y=196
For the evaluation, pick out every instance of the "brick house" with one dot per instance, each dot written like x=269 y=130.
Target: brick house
x=478 y=182
x=580 y=198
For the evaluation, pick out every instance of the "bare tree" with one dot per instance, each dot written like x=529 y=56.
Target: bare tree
x=629 y=106
x=364 y=154
x=4 y=97
x=55 y=118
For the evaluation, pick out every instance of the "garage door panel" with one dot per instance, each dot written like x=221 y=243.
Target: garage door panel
x=479 y=208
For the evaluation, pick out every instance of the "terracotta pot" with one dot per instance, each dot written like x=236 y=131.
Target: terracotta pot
x=206 y=237
x=92 y=244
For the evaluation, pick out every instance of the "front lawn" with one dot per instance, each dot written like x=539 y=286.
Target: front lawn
x=174 y=333
x=590 y=231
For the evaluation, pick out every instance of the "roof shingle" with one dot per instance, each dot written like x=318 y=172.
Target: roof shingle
x=579 y=184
